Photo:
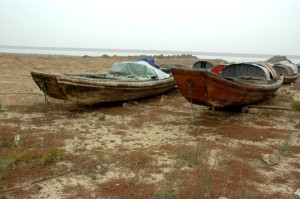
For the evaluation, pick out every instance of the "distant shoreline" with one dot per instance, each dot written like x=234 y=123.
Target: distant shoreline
x=134 y=51
x=98 y=52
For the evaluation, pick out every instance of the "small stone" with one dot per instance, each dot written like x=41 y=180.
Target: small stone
x=270 y=159
x=297 y=194
x=129 y=103
x=125 y=104
x=253 y=111
x=17 y=140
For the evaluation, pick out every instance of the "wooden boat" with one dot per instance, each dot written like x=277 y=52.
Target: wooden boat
x=204 y=65
x=91 y=89
x=289 y=70
x=238 y=84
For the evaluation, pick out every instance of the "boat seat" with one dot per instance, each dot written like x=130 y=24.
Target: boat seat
x=250 y=77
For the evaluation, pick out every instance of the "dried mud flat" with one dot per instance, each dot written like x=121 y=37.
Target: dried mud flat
x=159 y=147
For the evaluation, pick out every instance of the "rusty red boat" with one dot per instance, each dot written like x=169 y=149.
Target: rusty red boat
x=238 y=84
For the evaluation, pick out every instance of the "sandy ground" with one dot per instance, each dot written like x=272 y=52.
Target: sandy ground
x=159 y=147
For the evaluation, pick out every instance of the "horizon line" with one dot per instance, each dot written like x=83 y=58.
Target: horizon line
x=147 y=51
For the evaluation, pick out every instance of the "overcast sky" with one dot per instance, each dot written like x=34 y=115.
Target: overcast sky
x=230 y=26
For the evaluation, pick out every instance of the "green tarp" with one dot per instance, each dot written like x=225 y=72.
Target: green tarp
x=139 y=70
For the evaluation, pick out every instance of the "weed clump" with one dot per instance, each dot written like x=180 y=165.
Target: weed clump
x=8 y=162
x=101 y=117
x=2 y=175
x=190 y=155
x=295 y=106
x=165 y=195
x=284 y=148
x=51 y=156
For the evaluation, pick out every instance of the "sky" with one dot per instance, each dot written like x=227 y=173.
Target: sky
x=231 y=26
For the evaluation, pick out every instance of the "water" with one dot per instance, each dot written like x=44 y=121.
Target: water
x=230 y=57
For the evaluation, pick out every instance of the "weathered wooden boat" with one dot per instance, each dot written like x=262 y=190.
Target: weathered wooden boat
x=238 y=84
x=289 y=70
x=116 y=85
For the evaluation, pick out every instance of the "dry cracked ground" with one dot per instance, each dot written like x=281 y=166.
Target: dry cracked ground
x=159 y=147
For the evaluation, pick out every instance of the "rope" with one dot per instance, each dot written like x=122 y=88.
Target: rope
x=48 y=105
x=37 y=181
x=190 y=96
x=77 y=169
x=20 y=94
x=190 y=93
x=295 y=93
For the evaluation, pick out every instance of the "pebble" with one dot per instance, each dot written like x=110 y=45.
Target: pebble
x=297 y=194
x=269 y=159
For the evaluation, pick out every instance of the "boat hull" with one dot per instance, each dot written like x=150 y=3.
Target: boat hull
x=88 y=91
x=209 y=89
x=290 y=78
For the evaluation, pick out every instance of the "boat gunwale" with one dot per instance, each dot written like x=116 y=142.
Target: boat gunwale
x=107 y=82
x=118 y=86
x=113 y=83
x=292 y=76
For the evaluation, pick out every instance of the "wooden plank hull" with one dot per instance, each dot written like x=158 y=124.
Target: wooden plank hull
x=209 y=89
x=290 y=78
x=48 y=84
x=88 y=91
